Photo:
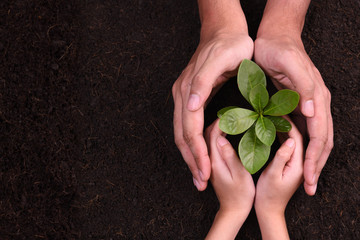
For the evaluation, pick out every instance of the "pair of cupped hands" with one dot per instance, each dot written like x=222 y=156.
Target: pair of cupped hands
x=283 y=58
x=234 y=185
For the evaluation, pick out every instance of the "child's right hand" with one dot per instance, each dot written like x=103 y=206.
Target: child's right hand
x=277 y=183
x=233 y=184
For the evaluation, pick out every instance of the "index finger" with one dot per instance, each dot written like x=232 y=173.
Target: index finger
x=193 y=124
x=318 y=134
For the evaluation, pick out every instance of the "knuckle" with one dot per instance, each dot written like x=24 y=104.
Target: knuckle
x=188 y=137
x=321 y=140
x=199 y=79
x=287 y=54
x=180 y=143
x=184 y=86
x=218 y=50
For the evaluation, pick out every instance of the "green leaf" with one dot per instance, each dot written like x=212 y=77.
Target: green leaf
x=249 y=75
x=265 y=131
x=223 y=110
x=253 y=153
x=237 y=120
x=281 y=103
x=281 y=124
x=259 y=97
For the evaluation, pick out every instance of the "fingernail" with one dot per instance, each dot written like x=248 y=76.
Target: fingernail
x=196 y=183
x=193 y=103
x=222 y=141
x=290 y=142
x=201 y=175
x=309 y=108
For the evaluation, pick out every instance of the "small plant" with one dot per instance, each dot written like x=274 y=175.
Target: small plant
x=262 y=124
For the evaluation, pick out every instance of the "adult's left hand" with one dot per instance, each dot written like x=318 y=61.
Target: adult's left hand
x=285 y=60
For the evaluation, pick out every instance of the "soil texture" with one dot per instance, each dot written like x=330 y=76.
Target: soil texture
x=86 y=139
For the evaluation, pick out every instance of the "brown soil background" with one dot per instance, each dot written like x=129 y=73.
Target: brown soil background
x=86 y=139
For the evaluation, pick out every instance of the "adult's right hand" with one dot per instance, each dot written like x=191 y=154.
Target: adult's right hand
x=221 y=49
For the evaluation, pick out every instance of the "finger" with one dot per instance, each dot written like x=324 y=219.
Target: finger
x=282 y=156
x=229 y=155
x=318 y=133
x=204 y=80
x=181 y=144
x=311 y=188
x=193 y=123
x=304 y=85
x=296 y=162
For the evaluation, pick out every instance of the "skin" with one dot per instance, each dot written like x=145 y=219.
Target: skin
x=280 y=53
x=277 y=183
x=224 y=43
x=278 y=49
x=233 y=185
x=235 y=188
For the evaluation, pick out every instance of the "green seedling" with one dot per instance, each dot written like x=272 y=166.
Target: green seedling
x=261 y=124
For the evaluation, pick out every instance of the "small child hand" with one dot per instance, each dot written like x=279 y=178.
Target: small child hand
x=233 y=185
x=283 y=175
x=277 y=183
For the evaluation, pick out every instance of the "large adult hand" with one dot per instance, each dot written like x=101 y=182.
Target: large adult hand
x=284 y=59
x=221 y=49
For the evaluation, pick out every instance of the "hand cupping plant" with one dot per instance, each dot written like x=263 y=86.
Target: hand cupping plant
x=260 y=125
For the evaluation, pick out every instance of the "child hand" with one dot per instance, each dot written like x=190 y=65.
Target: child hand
x=283 y=175
x=277 y=183
x=233 y=185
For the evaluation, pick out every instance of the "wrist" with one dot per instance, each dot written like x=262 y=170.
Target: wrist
x=219 y=17
x=283 y=17
x=237 y=217
x=272 y=224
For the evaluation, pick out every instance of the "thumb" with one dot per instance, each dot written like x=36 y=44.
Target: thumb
x=303 y=83
x=282 y=156
x=208 y=77
x=228 y=154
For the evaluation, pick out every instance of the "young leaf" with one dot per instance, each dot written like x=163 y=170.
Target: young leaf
x=281 y=103
x=223 y=110
x=265 y=131
x=259 y=97
x=253 y=153
x=237 y=120
x=281 y=124
x=249 y=75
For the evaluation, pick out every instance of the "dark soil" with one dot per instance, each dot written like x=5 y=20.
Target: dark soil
x=86 y=139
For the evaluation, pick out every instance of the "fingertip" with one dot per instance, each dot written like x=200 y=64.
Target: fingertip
x=205 y=171
x=308 y=108
x=309 y=173
x=310 y=189
x=201 y=185
x=290 y=142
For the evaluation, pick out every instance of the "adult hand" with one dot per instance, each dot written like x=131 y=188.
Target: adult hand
x=280 y=52
x=284 y=59
x=224 y=43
